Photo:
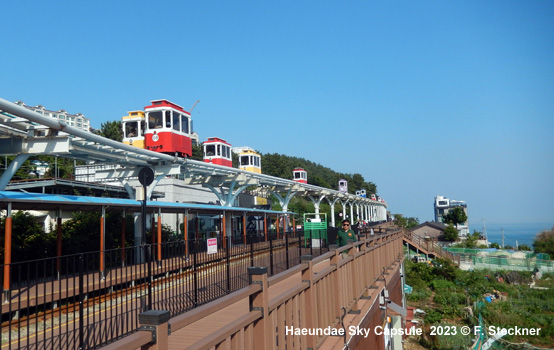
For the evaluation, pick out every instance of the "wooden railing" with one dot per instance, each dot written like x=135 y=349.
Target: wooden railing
x=430 y=245
x=308 y=296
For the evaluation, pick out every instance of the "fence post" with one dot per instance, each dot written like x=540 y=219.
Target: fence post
x=195 y=272
x=263 y=334
x=287 y=249
x=271 y=254
x=310 y=311
x=251 y=251
x=150 y=277
x=336 y=282
x=228 y=263
x=157 y=322
x=81 y=302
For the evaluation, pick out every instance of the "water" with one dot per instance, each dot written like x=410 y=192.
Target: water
x=522 y=233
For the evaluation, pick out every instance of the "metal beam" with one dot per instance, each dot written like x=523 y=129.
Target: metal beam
x=34 y=146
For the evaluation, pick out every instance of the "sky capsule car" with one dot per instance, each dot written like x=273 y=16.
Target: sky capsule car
x=168 y=128
x=249 y=160
x=300 y=175
x=343 y=186
x=217 y=151
x=133 y=129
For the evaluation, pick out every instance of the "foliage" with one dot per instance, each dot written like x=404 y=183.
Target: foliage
x=450 y=339
x=57 y=167
x=453 y=290
x=29 y=240
x=318 y=175
x=523 y=247
x=544 y=242
x=450 y=233
x=470 y=241
x=456 y=216
x=495 y=245
x=111 y=130
x=405 y=222
x=197 y=152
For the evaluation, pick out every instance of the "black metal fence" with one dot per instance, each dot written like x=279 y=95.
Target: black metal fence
x=88 y=300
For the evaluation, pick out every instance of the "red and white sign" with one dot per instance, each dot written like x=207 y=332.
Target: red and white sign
x=212 y=245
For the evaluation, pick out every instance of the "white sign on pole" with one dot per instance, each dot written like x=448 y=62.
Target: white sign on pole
x=212 y=245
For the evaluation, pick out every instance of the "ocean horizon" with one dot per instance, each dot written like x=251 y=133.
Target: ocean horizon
x=521 y=233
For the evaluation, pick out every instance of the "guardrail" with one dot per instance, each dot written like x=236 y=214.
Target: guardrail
x=69 y=303
x=431 y=246
x=346 y=275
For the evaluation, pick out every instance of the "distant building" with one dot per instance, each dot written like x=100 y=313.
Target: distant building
x=76 y=120
x=430 y=230
x=444 y=205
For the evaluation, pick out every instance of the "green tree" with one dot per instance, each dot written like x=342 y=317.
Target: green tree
x=495 y=245
x=112 y=130
x=197 y=152
x=29 y=240
x=471 y=241
x=544 y=242
x=456 y=216
x=450 y=233
x=405 y=222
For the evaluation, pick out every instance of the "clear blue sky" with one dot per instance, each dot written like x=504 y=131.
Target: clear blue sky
x=424 y=98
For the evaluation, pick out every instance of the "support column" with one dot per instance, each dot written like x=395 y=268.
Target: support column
x=244 y=228
x=102 y=241
x=186 y=232
x=58 y=241
x=8 y=253
x=123 y=234
x=159 y=235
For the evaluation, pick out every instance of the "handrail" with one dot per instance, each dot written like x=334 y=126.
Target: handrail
x=200 y=312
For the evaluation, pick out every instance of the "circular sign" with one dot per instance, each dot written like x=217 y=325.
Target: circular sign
x=146 y=176
x=155 y=138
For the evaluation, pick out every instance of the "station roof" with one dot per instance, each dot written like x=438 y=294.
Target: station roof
x=42 y=201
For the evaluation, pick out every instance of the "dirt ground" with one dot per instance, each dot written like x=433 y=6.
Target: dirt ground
x=410 y=343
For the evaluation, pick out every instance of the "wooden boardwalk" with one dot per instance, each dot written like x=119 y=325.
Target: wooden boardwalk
x=308 y=296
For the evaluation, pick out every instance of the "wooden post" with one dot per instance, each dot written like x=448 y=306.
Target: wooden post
x=8 y=253
x=309 y=302
x=260 y=301
x=157 y=322
x=336 y=282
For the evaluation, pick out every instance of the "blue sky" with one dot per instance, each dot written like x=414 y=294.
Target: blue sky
x=423 y=98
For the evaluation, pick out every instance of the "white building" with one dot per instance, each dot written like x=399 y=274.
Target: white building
x=444 y=205
x=76 y=120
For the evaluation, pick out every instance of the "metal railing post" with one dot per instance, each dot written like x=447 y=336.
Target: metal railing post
x=287 y=249
x=271 y=254
x=195 y=274
x=81 y=302
x=150 y=277
x=251 y=251
x=228 y=264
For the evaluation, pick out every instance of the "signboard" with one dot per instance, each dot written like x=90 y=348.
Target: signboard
x=212 y=245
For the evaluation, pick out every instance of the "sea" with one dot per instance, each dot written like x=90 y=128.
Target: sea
x=514 y=234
